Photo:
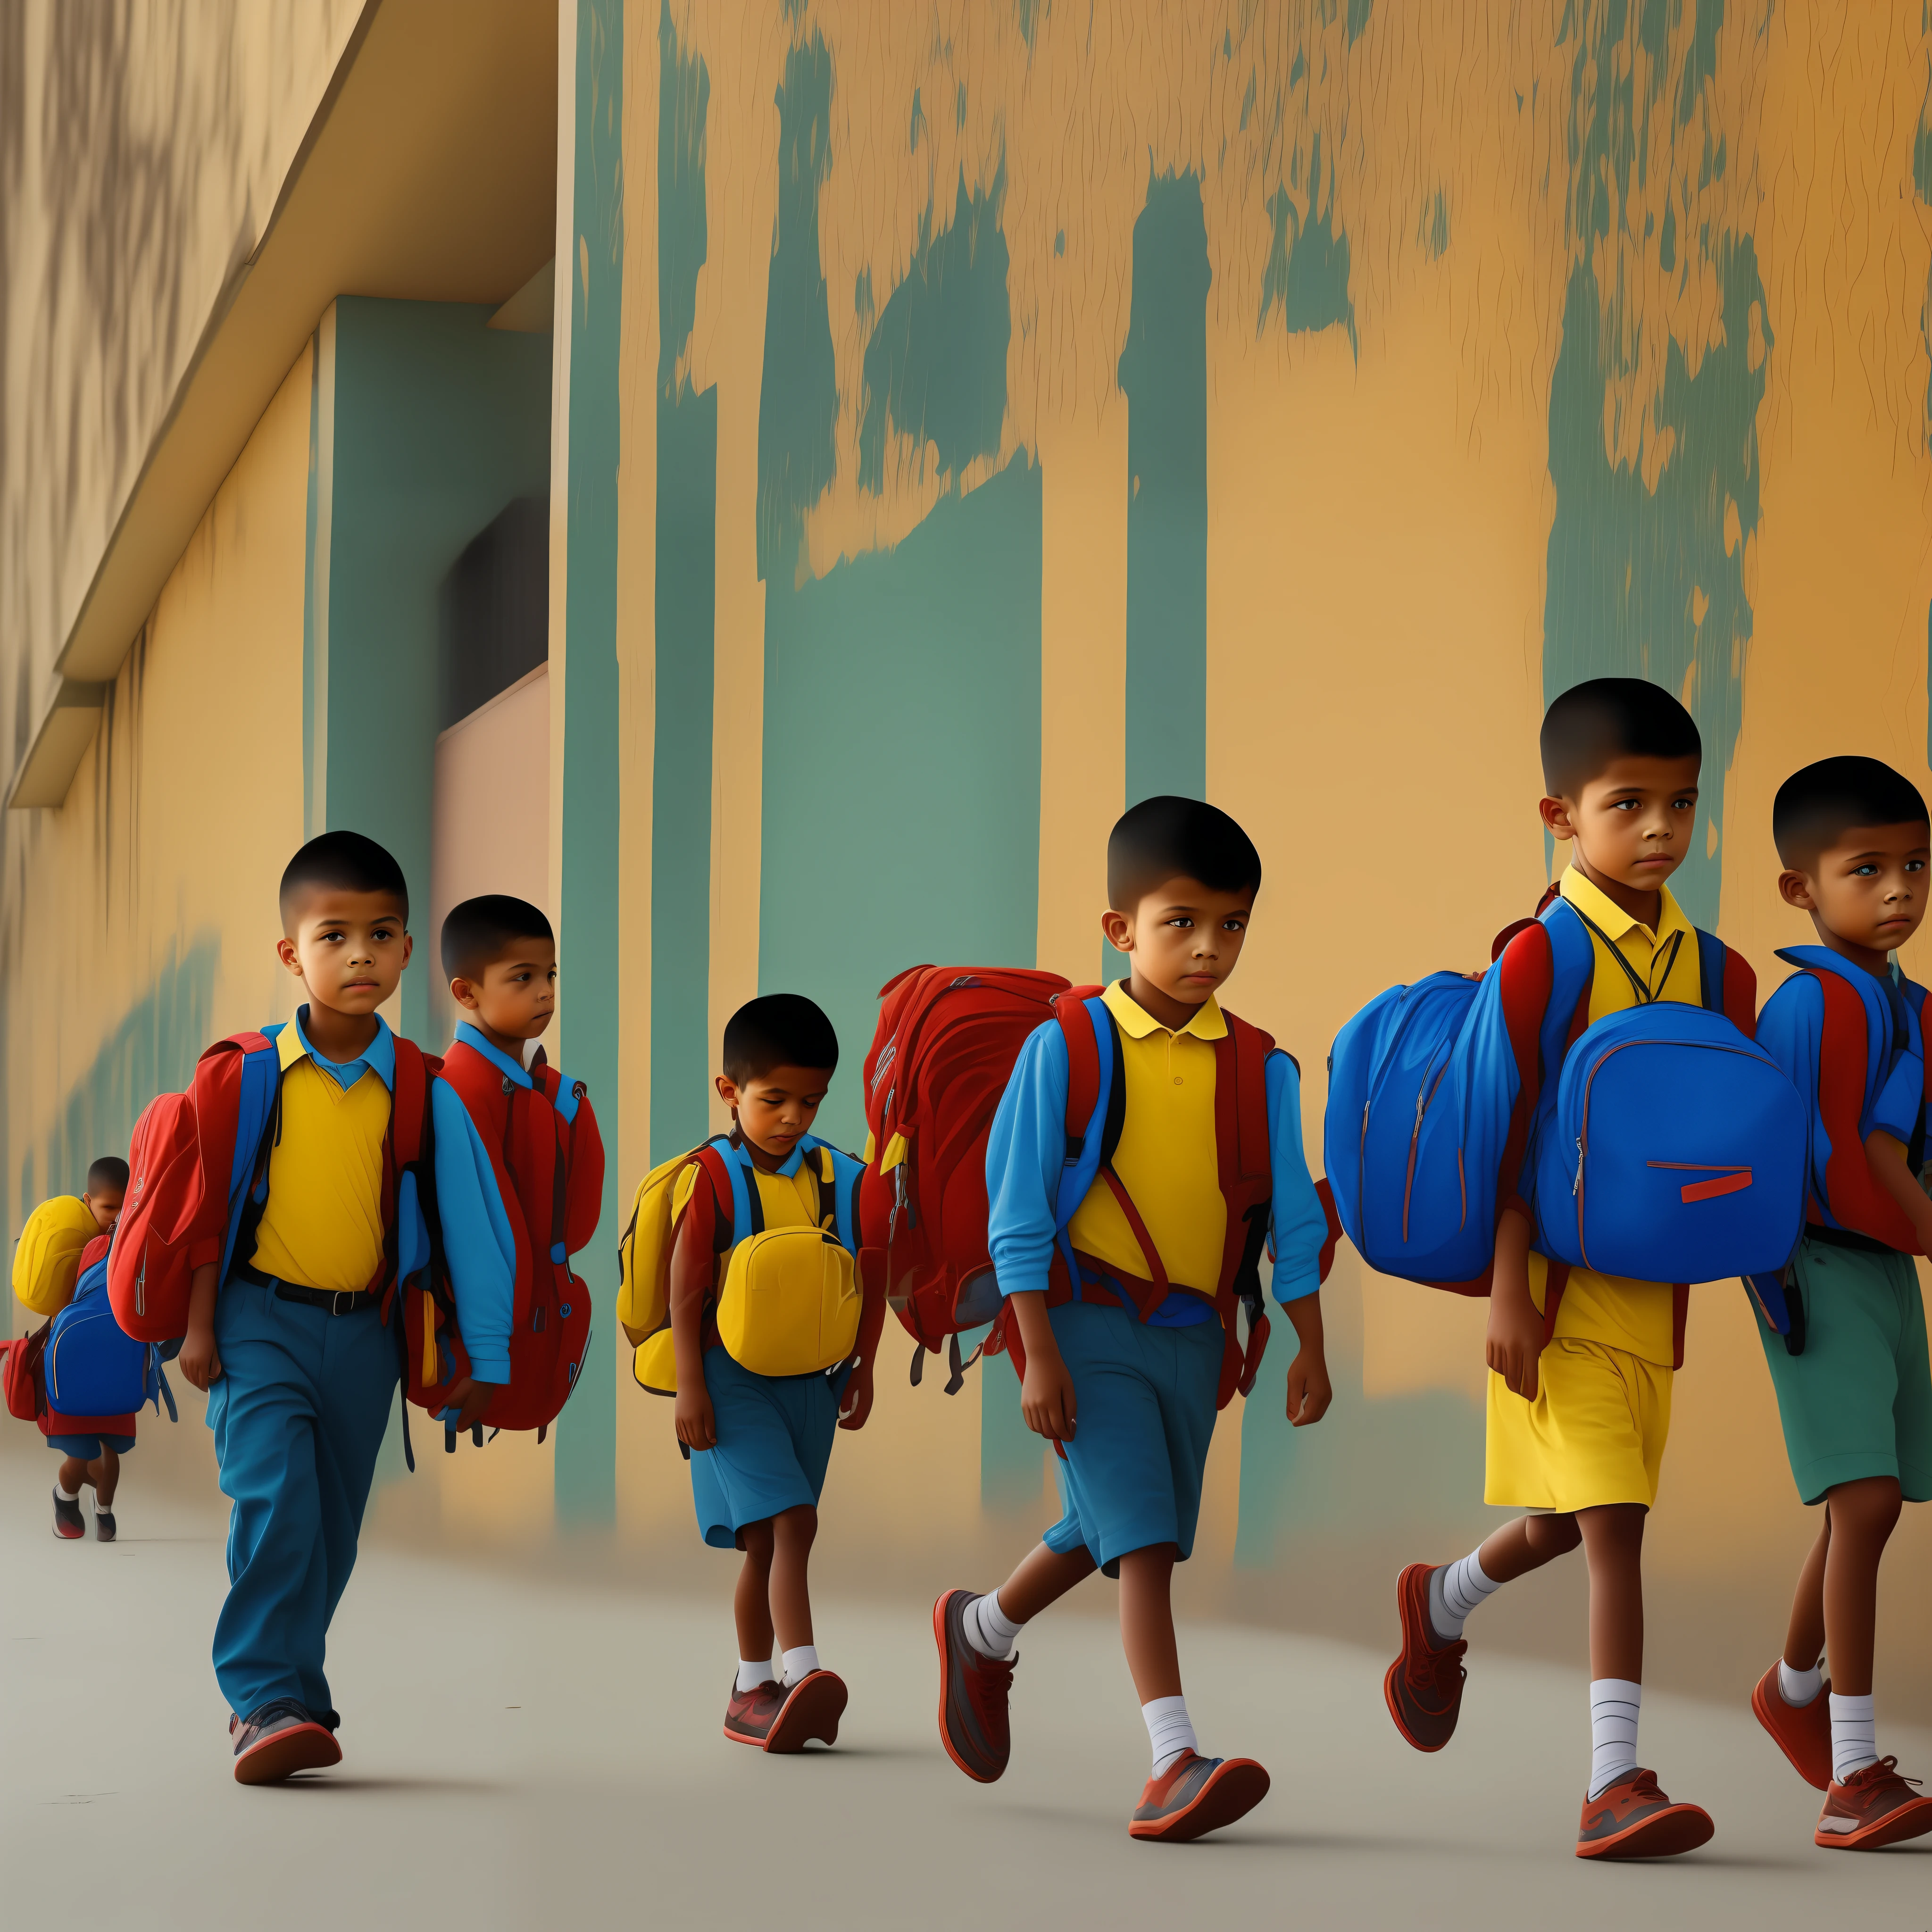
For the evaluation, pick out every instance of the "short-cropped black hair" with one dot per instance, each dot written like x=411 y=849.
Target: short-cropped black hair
x=1169 y=838
x=349 y=863
x=778 y=1030
x=110 y=1170
x=1610 y=718
x=1815 y=806
x=480 y=931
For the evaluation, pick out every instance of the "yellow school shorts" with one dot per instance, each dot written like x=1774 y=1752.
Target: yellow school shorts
x=1594 y=1434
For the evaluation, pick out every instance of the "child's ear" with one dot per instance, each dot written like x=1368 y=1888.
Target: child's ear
x=1795 y=888
x=1556 y=817
x=285 y=951
x=463 y=992
x=727 y=1090
x=1119 y=930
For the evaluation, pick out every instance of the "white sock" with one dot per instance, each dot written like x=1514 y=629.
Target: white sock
x=1853 y=1734
x=1168 y=1730
x=66 y=1495
x=1613 y=1709
x=987 y=1627
x=1798 y=1687
x=1453 y=1592
x=750 y=1676
x=800 y=1662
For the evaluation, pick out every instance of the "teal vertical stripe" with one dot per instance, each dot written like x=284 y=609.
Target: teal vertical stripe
x=1164 y=374
x=588 y=1009
x=686 y=618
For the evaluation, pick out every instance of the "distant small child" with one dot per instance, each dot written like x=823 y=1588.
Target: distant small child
x=765 y=1222
x=65 y=1238
x=1126 y=1364
x=1854 y=1392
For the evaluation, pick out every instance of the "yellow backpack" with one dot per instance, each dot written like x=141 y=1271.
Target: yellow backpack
x=789 y=1302
x=48 y=1254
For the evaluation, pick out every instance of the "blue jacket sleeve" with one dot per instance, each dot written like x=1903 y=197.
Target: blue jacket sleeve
x=1300 y=1225
x=1791 y=1029
x=477 y=1241
x=1025 y=1152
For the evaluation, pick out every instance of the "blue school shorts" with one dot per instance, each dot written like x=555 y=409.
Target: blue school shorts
x=774 y=1442
x=87 y=1448
x=1144 y=1416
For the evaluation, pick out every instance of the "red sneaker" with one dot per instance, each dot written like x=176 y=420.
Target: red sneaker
x=748 y=1713
x=279 y=1740
x=1634 y=1819
x=973 y=1691
x=1194 y=1795
x=1873 y=1806
x=1423 y=1687
x=1803 y=1732
x=811 y=1709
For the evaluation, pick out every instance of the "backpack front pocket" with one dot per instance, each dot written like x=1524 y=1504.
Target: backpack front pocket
x=790 y=1302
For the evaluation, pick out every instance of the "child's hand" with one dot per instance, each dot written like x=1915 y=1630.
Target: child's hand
x=1515 y=1342
x=1310 y=1392
x=857 y=1405
x=471 y=1401
x=1046 y=1396
x=697 y=1426
x=200 y=1359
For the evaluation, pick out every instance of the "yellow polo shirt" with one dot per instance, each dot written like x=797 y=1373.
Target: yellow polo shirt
x=786 y=1200
x=1166 y=1160
x=322 y=1225
x=1636 y=1316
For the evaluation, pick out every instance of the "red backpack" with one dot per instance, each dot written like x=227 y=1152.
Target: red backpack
x=549 y=1174
x=22 y=1378
x=945 y=1046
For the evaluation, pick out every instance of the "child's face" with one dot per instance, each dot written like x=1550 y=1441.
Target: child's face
x=1183 y=938
x=348 y=949
x=105 y=1207
x=775 y=1109
x=517 y=994
x=1867 y=887
x=1632 y=821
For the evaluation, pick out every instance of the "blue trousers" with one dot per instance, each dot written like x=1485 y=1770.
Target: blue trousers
x=299 y=1413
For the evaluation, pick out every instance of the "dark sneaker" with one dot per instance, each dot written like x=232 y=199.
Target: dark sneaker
x=1634 y=1819
x=1803 y=1732
x=1423 y=1687
x=1196 y=1795
x=69 y=1525
x=809 y=1708
x=973 y=1691
x=748 y=1715
x=279 y=1740
x=1873 y=1807
x=104 y=1525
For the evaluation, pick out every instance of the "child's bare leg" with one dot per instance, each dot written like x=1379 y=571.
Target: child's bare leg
x=104 y=1473
x=1862 y=1516
x=1043 y=1577
x=1804 y=1635
x=1613 y=1544
x=1146 y=1621
x=1527 y=1544
x=73 y=1473
x=752 y=1604
x=792 y=1531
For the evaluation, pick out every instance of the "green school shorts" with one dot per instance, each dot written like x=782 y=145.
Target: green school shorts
x=1857 y=1402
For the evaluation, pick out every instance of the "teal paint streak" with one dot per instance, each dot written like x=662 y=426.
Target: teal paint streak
x=1060 y=242
x=1700 y=66
x=311 y=697
x=1298 y=71
x=862 y=296
x=1163 y=373
x=935 y=368
x=1307 y=272
x=1623 y=564
x=1029 y=12
x=918 y=127
x=960 y=107
x=1248 y=101
x=685 y=615
x=1434 y=230
x=589 y=1011
x=798 y=395
x=1666 y=242
x=1359 y=11
x=440 y=422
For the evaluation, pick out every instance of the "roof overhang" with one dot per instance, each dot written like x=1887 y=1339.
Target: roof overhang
x=428 y=174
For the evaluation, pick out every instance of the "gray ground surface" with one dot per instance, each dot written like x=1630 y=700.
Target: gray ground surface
x=523 y=1752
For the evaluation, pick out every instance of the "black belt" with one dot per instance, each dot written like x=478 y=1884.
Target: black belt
x=330 y=1300
x=1846 y=1237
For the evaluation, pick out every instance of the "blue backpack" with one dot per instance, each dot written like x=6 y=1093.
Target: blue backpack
x=91 y=1366
x=1423 y=1087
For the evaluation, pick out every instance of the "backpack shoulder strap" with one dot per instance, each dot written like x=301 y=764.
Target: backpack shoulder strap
x=410 y=1102
x=1248 y=1050
x=1572 y=969
x=728 y=1168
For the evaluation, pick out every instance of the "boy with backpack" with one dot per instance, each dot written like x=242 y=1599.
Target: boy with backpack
x=1119 y=1289
x=534 y=1161
x=277 y=1212
x=63 y=1240
x=761 y=1334
x=1582 y=1359
x=1854 y=1392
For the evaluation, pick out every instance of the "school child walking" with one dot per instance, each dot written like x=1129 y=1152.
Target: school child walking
x=1126 y=1323
x=1854 y=1391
